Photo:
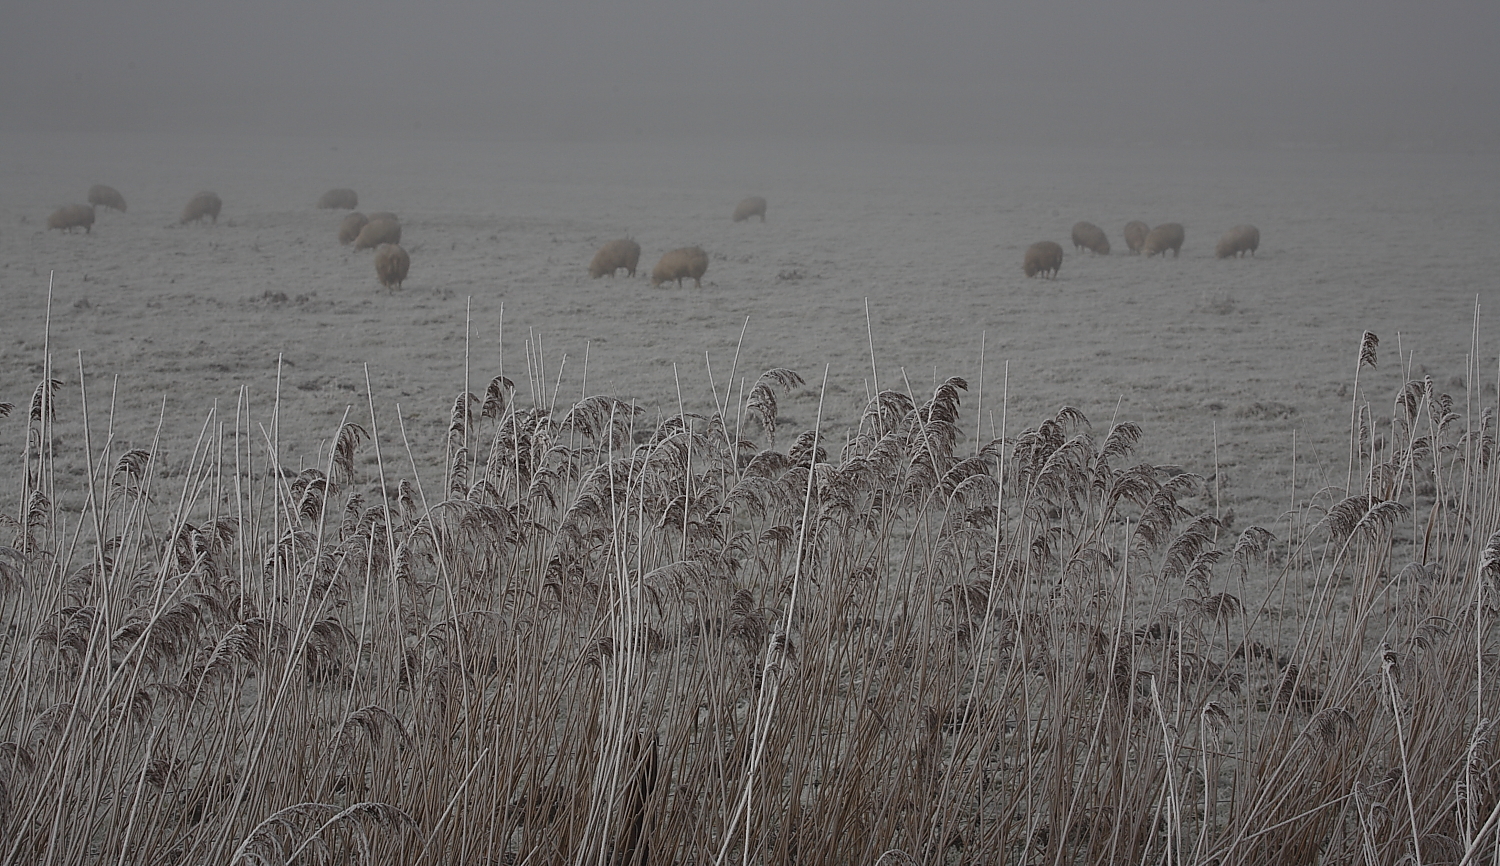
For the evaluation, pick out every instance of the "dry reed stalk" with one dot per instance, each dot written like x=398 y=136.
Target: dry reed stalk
x=602 y=640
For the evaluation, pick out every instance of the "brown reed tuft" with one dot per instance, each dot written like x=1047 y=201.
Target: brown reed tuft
x=593 y=635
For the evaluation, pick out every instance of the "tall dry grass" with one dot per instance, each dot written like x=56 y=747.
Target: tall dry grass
x=597 y=638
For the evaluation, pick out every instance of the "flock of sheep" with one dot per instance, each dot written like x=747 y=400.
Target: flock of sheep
x=1045 y=257
x=81 y=216
x=382 y=232
x=204 y=205
x=684 y=263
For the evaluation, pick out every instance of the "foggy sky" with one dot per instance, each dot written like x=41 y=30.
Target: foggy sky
x=1334 y=72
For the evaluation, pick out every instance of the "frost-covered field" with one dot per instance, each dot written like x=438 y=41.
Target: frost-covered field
x=518 y=639
x=1246 y=355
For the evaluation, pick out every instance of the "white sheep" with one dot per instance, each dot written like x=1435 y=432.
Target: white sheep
x=106 y=196
x=379 y=230
x=1087 y=236
x=204 y=204
x=1238 y=241
x=339 y=199
x=72 y=216
x=1043 y=257
x=623 y=253
x=679 y=264
x=747 y=208
x=391 y=265
x=1167 y=236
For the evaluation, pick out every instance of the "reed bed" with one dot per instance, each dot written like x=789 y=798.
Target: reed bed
x=597 y=638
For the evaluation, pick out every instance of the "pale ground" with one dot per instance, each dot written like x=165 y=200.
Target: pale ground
x=1247 y=352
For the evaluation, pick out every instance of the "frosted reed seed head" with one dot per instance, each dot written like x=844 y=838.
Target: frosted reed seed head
x=45 y=395
x=1490 y=559
x=1329 y=726
x=1367 y=345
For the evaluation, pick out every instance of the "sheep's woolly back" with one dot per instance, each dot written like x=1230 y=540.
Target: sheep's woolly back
x=623 y=253
x=339 y=199
x=72 y=216
x=1238 y=241
x=1167 y=236
x=391 y=265
x=1135 y=235
x=204 y=204
x=1043 y=257
x=349 y=228
x=1087 y=236
x=679 y=264
x=747 y=208
x=379 y=230
x=106 y=196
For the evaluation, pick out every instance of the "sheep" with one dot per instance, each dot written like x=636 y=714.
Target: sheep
x=1238 y=241
x=1167 y=236
x=72 y=216
x=379 y=230
x=106 y=196
x=339 y=199
x=680 y=263
x=624 y=253
x=349 y=228
x=1135 y=235
x=204 y=204
x=1087 y=236
x=391 y=265
x=1043 y=257
x=752 y=206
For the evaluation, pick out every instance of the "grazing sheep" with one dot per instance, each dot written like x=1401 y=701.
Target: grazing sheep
x=752 y=206
x=72 y=216
x=204 y=204
x=1238 y=241
x=1167 y=236
x=391 y=265
x=1087 y=236
x=349 y=228
x=379 y=230
x=687 y=262
x=623 y=253
x=1135 y=235
x=106 y=196
x=1043 y=257
x=339 y=199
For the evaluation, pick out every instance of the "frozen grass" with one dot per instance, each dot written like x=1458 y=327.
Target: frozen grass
x=592 y=639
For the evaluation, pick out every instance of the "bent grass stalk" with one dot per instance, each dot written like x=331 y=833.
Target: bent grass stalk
x=598 y=643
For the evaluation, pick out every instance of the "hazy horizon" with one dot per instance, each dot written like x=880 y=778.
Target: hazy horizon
x=1257 y=72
